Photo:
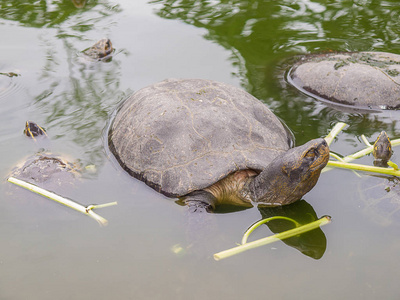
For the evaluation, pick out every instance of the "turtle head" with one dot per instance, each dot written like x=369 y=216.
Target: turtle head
x=382 y=147
x=33 y=130
x=290 y=175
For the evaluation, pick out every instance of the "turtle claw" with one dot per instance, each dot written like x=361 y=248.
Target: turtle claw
x=199 y=207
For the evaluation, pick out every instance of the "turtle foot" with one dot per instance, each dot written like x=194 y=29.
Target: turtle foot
x=200 y=201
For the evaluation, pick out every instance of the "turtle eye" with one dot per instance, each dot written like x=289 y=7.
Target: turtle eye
x=311 y=153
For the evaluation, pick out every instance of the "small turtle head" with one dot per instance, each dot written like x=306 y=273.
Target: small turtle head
x=33 y=130
x=290 y=176
x=382 y=148
x=103 y=47
x=100 y=50
x=108 y=48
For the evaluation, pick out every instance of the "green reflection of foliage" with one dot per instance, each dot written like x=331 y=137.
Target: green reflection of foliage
x=77 y=104
x=261 y=27
x=74 y=96
x=34 y=13
x=262 y=35
x=53 y=13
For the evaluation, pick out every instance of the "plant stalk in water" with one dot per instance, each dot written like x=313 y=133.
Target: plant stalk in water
x=344 y=161
x=87 y=210
x=263 y=221
x=334 y=132
x=359 y=167
x=273 y=238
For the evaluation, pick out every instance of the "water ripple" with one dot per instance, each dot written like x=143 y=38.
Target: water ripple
x=8 y=86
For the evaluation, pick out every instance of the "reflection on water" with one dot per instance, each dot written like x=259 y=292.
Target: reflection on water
x=379 y=199
x=41 y=13
x=263 y=36
x=79 y=3
x=8 y=84
x=254 y=30
x=79 y=101
x=312 y=243
x=76 y=94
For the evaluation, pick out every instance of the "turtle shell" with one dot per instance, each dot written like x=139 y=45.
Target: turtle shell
x=46 y=170
x=179 y=136
x=368 y=80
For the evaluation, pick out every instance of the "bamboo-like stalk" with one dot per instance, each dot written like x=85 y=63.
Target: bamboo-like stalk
x=273 y=238
x=263 y=221
x=359 y=167
x=87 y=210
x=340 y=159
x=334 y=132
x=366 y=142
x=393 y=165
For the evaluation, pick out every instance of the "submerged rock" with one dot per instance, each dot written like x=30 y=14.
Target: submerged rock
x=363 y=79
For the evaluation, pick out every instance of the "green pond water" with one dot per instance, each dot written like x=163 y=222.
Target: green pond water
x=51 y=252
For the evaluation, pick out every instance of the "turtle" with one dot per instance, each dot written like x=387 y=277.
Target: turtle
x=380 y=195
x=79 y=3
x=365 y=80
x=382 y=151
x=210 y=143
x=45 y=169
x=33 y=130
x=101 y=50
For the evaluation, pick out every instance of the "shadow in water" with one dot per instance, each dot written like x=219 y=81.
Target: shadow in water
x=201 y=227
x=312 y=243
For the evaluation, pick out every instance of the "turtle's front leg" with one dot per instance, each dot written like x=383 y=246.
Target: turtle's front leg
x=200 y=201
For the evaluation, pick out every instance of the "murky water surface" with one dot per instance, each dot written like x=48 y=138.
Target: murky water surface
x=51 y=252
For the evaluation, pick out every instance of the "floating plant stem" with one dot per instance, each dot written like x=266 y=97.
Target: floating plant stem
x=263 y=221
x=343 y=162
x=366 y=142
x=334 y=155
x=273 y=238
x=87 y=210
x=334 y=132
x=359 y=167
x=97 y=206
x=358 y=154
x=393 y=165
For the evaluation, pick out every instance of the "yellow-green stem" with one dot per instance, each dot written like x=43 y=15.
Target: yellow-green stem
x=366 y=142
x=67 y=202
x=263 y=221
x=334 y=132
x=273 y=238
x=351 y=166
